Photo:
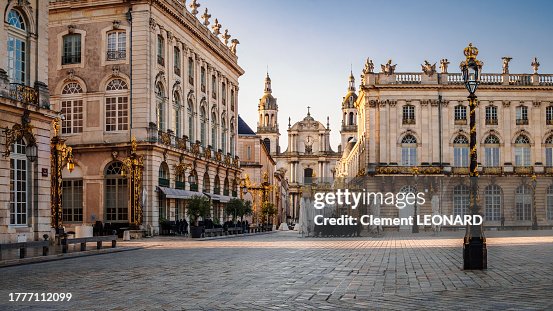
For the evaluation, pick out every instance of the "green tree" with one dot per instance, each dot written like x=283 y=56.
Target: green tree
x=198 y=206
x=268 y=210
x=247 y=210
x=234 y=207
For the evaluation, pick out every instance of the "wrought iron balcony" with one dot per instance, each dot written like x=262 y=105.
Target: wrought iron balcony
x=409 y=121
x=116 y=55
x=522 y=121
x=460 y=121
x=491 y=122
x=24 y=94
x=492 y=170
x=524 y=170
x=68 y=59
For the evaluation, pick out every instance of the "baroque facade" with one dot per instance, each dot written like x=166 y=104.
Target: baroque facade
x=259 y=168
x=26 y=120
x=416 y=125
x=153 y=71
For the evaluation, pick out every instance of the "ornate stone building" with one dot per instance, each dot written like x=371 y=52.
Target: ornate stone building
x=26 y=119
x=259 y=167
x=151 y=70
x=416 y=124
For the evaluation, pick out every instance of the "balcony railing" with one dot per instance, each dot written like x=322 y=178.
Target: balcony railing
x=116 y=55
x=490 y=79
x=408 y=78
x=522 y=121
x=460 y=170
x=546 y=79
x=524 y=170
x=520 y=79
x=193 y=187
x=196 y=150
x=492 y=170
x=455 y=78
x=549 y=121
x=23 y=93
x=460 y=121
x=349 y=128
x=408 y=121
x=491 y=122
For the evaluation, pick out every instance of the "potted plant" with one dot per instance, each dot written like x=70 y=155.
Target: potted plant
x=198 y=206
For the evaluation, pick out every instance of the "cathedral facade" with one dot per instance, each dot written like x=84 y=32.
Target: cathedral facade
x=413 y=133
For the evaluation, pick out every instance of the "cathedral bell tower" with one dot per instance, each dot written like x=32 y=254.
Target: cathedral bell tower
x=348 y=130
x=267 y=125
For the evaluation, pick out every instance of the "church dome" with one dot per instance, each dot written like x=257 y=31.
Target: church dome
x=349 y=100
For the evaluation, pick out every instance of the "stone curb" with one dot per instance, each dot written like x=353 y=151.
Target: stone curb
x=77 y=254
x=234 y=236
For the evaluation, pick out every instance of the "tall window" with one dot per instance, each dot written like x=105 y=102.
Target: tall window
x=203 y=120
x=19 y=184
x=193 y=180
x=160 y=50
x=72 y=108
x=176 y=60
x=163 y=175
x=522 y=115
x=177 y=106
x=491 y=151
x=523 y=202
x=72 y=200
x=461 y=198
x=267 y=143
x=232 y=138
x=408 y=114
x=117 y=106
x=17 y=47
x=160 y=99
x=491 y=115
x=522 y=151
x=207 y=186
x=232 y=100
x=493 y=202
x=549 y=151
x=461 y=151
x=190 y=113
x=223 y=135
x=460 y=113
x=190 y=70
x=308 y=175
x=550 y=203
x=549 y=115
x=213 y=86
x=409 y=150
x=214 y=131
x=351 y=121
x=202 y=79
x=224 y=93
x=116 y=197
x=71 y=49
x=117 y=45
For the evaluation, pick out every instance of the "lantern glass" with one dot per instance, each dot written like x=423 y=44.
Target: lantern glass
x=31 y=152
x=70 y=166
x=471 y=76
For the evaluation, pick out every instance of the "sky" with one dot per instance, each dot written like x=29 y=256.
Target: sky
x=309 y=46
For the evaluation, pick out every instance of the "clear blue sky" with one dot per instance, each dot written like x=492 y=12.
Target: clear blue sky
x=309 y=45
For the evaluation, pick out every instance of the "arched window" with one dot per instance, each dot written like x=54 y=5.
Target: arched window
x=160 y=99
x=190 y=112
x=232 y=100
x=213 y=86
x=224 y=93
x=116 y=197
x=202 y=79
x=522 y=151
x=408 y=114
x=491 y=151
x=223 y=135
x=267 y=143
x=193 y=180
x=160 y=50
x=190 y=70
x=461 y=198
x=177 y=110
x=117 y=105
x=460 y=112
x=176 y=61
x=491 y=115
x=217 y=185
x=206 y=184
x=72 y=108
x=17 y=55
x=523 y=202
x=117 y=45
x=266 y=120
x=460 y=151
x=19 y=184
x=163 y=175
x=71 y=49
x=308 y=175
x=214 y=131
x=203 y=120
x=549 y=115
x=351 y=121
x=409 y=150
x=226 y=186
x=492 y=194
x=550 y=203
x=549 y=151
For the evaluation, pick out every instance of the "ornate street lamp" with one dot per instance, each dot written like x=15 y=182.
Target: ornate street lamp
x=534 y=216
x=60 y=153
x=133 y=165
x=474 y=246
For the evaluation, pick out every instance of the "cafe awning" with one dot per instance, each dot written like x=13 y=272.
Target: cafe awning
x=171 y=193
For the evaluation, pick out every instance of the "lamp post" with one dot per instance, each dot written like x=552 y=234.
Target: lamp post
x=534 y=216
x=133 y=165
x=474 y=246
x=59 y=153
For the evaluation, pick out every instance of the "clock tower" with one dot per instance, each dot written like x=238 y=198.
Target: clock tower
x=267 y=125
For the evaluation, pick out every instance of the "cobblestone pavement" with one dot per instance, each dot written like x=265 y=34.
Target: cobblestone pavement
x=282 y=271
